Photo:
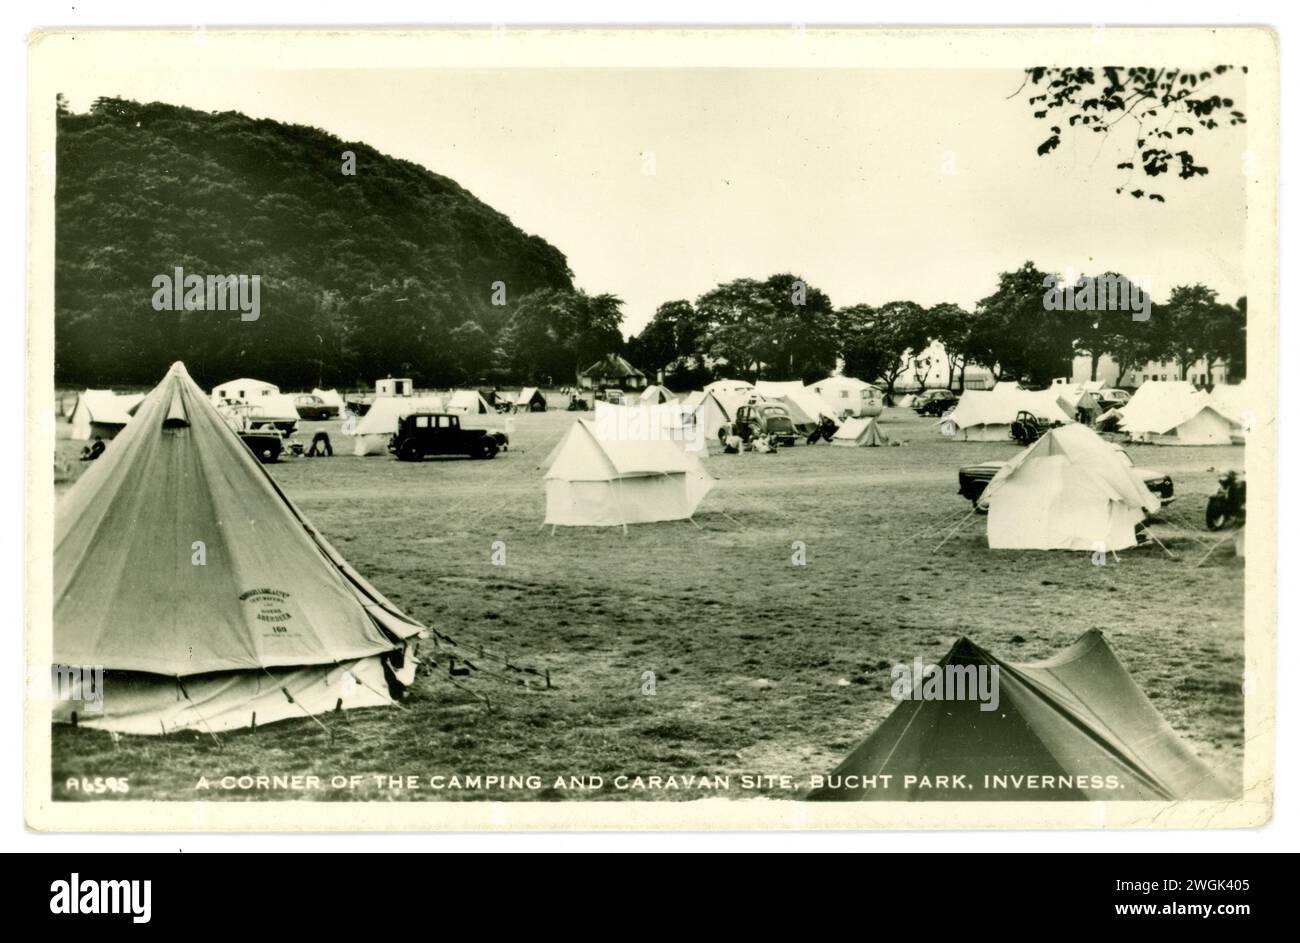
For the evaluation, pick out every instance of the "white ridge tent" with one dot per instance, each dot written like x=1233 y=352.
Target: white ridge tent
x=709 y=413
x=1174 y=413
x=330 y=398
x=804 y=399
x=468 y=402
x=1070 y=490
x=987 y=415
x=594 y=481
x=102 y=413
x=1234 y=401
x=860 y=432
x=373 y=430
x=654 y=393
x=530 y=398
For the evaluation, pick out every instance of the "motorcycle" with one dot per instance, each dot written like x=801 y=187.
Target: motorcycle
x=1227 y=506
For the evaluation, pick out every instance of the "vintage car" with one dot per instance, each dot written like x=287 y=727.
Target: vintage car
x=313 y=409
x=422 y=434
x=764 y=418
x=934 y=402
x=1111 y=399
x=973 y=479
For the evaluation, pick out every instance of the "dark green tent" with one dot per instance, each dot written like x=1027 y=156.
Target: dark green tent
x=1074 y=727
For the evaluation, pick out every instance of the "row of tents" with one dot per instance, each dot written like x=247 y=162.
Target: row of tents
x=1160 y=413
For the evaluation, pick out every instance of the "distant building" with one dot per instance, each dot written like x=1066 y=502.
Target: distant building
x=1200 y=374
x=612 y=372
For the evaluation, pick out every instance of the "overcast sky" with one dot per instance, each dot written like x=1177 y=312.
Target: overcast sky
x=873 y=185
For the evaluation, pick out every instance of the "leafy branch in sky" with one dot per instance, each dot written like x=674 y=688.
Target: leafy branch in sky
x=1162 y=108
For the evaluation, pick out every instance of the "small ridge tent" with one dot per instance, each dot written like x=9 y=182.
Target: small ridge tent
x=860 y=432
x=847 y=396
x=530 y=399
x=211 y=603
x=597 y=481
x=468 y=402
x=1069 y=490
x=1174 y=413
x=1072 y=728
x=102 y=413
x=987 y=415
x=1077 y=402
x=373 y=430
x=657 y=394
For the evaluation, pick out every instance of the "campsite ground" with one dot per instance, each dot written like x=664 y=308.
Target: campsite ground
x=761 y=667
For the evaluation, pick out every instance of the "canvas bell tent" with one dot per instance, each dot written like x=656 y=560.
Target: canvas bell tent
x=987 y=415
x=1077 y=717
x=600 y=481
x=860 y=433
x=530 y=399
x=211 y=603
x=373 y=430
x=102 y=413
x=1070 y=490
x=1174 y=413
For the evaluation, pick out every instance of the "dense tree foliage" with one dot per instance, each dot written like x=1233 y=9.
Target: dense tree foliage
x=387 y=271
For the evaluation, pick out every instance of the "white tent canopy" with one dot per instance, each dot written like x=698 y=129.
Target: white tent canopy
x=655 y=393
x=594 y=481
x=856 y=431
x=330 y=398
x=1234 y=401
x=804 y=398
x=468 y=402
x=709 y=413
x=374 y=429
x=102 y=413
x=987 y=415
x=1070 y=490
x=730 y=387
x=1174 y=413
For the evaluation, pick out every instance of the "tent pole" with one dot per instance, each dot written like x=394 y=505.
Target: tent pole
x=1216 y=546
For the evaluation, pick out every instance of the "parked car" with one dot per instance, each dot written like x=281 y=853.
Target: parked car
x=764 y=418
x=973 y=479
x=313 y=408
x=934 y=402
x=422 y=434
x=1111 y=399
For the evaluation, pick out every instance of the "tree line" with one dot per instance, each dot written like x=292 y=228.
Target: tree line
x=785 y=329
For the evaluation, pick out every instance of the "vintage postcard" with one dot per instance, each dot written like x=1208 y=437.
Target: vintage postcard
x=651 y=428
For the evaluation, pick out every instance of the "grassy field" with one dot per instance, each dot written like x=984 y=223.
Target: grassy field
x=761 y=667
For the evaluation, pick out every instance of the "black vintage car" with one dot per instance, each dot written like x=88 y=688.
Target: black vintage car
x=422 y=434
x=973 y=479
x=313 y=409
x=934 y=402
x=765 y=418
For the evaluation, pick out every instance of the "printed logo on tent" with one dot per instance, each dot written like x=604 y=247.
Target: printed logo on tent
x=270 y=607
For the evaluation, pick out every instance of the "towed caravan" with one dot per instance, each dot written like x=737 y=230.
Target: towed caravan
x=210 y=602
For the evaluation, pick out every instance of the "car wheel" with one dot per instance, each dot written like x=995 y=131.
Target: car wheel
x=488 y=451
x=408 y=451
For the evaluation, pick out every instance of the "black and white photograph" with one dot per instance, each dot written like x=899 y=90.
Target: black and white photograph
x=791 y=427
